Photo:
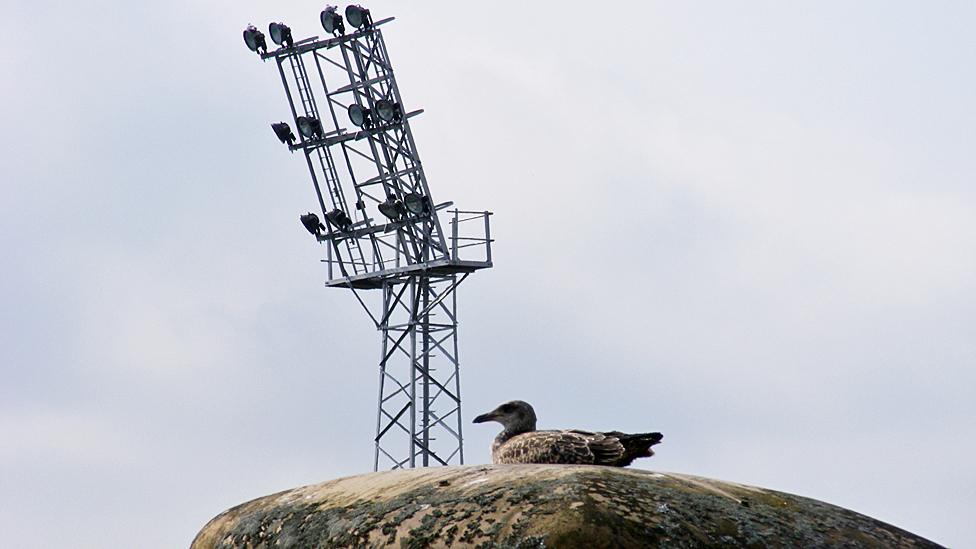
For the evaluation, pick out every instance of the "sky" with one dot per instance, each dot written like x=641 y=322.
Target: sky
x=751 y=227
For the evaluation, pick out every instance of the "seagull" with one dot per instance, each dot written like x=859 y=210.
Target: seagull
x=519 y=442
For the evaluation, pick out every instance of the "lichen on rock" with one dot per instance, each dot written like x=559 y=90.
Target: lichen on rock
x=535 y=506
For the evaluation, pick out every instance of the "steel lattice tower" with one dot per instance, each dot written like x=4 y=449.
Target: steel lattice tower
x=382 y=230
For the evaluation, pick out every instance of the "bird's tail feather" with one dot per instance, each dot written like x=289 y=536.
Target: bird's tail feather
x=638 y=445
x=649 y=438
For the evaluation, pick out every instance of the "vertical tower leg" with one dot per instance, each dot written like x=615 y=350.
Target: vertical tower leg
x=423 y=367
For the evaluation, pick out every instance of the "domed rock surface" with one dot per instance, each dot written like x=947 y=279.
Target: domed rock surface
x=542 y=506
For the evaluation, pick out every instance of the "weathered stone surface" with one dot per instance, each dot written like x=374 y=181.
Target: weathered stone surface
x=542 y=506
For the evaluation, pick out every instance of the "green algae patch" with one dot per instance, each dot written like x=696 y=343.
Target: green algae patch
x=541 y=506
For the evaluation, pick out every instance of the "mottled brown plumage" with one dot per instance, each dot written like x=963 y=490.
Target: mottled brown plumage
x=519 y=442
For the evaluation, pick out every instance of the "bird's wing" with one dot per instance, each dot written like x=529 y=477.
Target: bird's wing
x=606 y=450
x=532 y=447
x=581 y=447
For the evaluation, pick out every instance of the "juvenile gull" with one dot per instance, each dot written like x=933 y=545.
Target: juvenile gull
x=519 y=442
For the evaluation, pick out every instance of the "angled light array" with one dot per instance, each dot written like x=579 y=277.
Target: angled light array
x=376 y=218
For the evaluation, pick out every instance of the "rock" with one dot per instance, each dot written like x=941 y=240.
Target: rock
x=552 y=506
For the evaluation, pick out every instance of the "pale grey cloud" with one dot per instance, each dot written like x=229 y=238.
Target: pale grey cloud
x=749 y=226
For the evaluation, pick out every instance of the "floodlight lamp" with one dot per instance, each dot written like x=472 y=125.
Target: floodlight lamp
x=339 y=218
x=358 y=16
x=309 y=127
x=312 y=223
x=283 y=131
x=388 y=111
x=280 y=34
x=392 y=208
x=416 y=204
x=332 y=21
x=360 y=116
x=255 y=40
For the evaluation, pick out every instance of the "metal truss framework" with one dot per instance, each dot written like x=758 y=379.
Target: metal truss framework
x=419 y=373
x=409 y=258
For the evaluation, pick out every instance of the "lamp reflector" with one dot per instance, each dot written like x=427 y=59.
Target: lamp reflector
x=416 y=204
x=387 y=110
x=392 y=208
x=359 y=116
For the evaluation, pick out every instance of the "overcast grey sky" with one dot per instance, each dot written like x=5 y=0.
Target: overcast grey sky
x=749 y=226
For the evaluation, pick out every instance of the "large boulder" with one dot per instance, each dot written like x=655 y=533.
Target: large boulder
x=541 y=506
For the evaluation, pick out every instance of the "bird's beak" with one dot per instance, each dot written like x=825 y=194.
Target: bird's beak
x=485 y=417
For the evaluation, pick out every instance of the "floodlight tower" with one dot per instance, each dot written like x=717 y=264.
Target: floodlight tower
x=354 y=133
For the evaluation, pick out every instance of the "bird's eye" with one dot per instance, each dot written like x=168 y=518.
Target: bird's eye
x=507 y=408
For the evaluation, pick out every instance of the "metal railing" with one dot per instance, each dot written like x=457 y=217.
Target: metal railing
x=469 y=245
x=460 y=240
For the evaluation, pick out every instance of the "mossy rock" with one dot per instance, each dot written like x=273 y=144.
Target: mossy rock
x=526 y=506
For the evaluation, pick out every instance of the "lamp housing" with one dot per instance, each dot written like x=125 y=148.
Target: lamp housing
x=388 y=111
x=332 y=21
x=358 y=16
x=339 y=218
x=392 y=208
x=416 y=204
x=283 y=131
x=254 y=39
x=360 y=116
x=280 y=34
x=312 y=223
x=309 y=127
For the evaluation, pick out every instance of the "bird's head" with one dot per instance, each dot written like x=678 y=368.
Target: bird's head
x=516 y=416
